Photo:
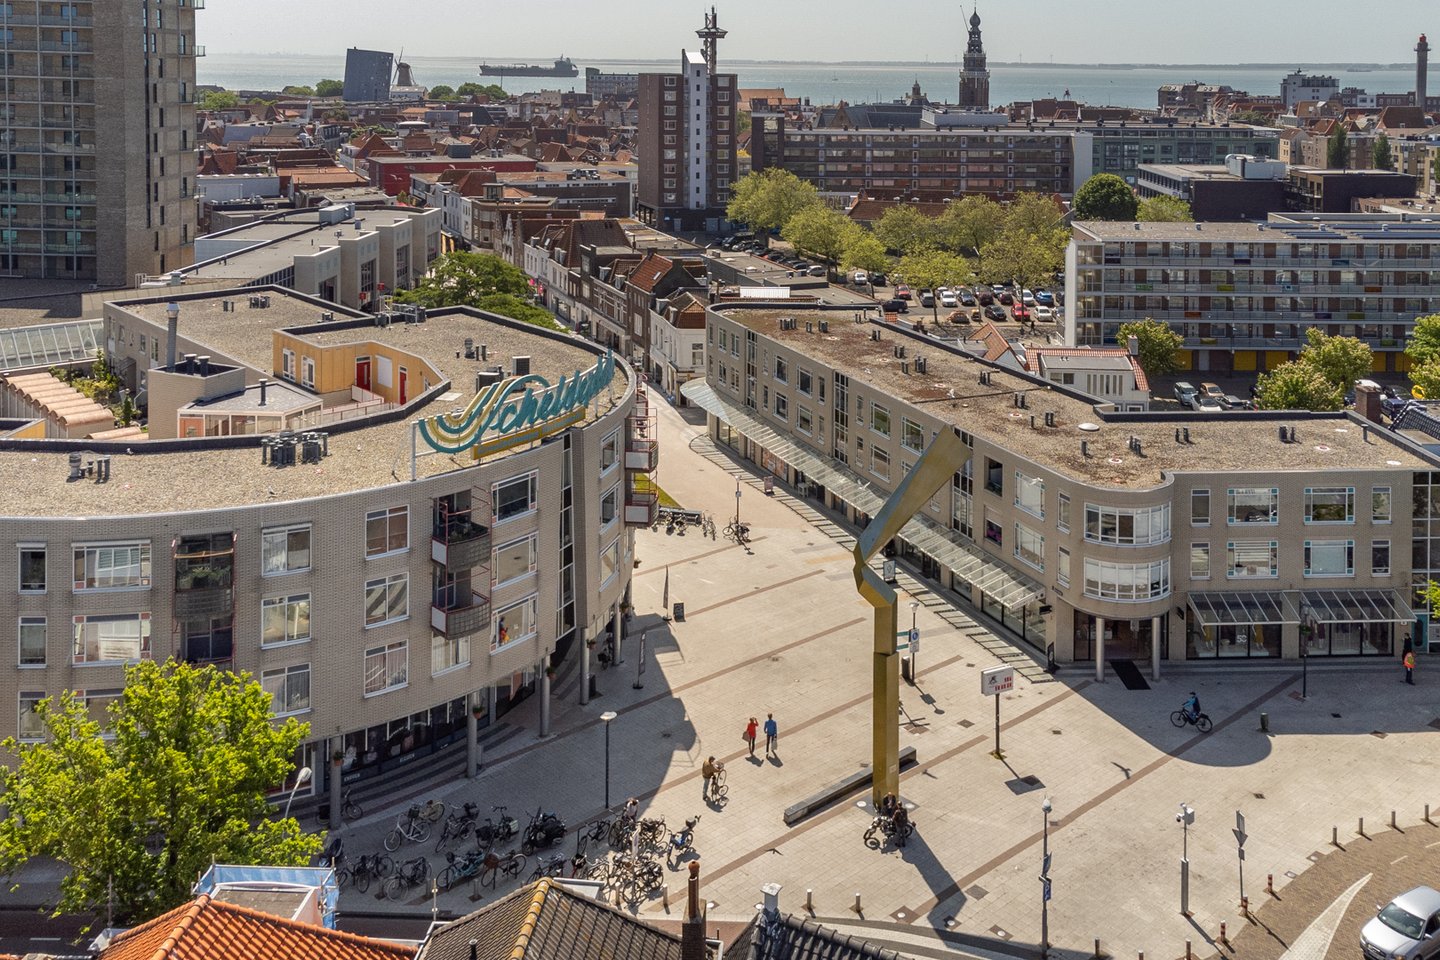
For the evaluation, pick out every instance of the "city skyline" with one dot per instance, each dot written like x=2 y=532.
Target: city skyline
x=1073 y=34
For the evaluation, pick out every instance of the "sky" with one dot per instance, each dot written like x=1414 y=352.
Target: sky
x=1030 y=31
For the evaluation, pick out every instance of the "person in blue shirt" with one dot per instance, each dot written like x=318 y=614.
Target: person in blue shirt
x=772 y=734
x=1192 y=707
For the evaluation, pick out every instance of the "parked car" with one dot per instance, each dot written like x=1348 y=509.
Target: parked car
x=995 y=312
x=1027 y=297
x=861 y=278
x=976 y=316
x=997 y=288
x=1185 y=393
x=878 y=279
x=927 y=299
x=1007 y=298
x=1020 y=312
x=902 y=291
x=1045 y=298
x=1204 y=403
x=958 y=316
x=987 y=298
x=896 y=305
x=1232 y=402
x=1406 y=928
x=967 y=299
x=818 y=270
x=1045 y=314
x=948 y=299
x=1212 y=390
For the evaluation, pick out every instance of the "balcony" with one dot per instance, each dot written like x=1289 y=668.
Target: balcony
x=204 y=578
x=642 y=456
x=642 y=502
x=463 y=613
x=460 y=544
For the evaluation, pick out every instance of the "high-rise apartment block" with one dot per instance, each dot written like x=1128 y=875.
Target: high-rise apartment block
x=96 y=121
x=687 y=139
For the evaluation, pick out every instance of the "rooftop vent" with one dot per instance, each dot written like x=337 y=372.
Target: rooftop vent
x=521 y=366
x=824 y=326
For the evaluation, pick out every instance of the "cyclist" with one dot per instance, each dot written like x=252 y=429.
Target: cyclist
x=888 y=806
x=708 y=769
x=1192 y=707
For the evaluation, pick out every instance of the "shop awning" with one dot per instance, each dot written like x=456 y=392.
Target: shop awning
x=1355 y=606
x=1009 y=588
x=1225 y=609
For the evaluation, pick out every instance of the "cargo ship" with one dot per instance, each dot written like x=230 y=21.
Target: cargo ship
x=564 y=67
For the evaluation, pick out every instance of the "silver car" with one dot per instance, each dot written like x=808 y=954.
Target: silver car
x=1405 y=928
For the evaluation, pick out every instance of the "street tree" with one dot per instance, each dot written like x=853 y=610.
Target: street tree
x=904 y=229
x=1341 y=360
x=1425 y=380
x=863 y=251
x=1035 y=214
x=462 y=278
x=1298 y=385
x=1105 y=197
x=1159 y=345
x=1380 y=157
x=1337 y=148
x=219 y=100
x=177 y=776
x=766 y=200
x=934 y=268
x=296 y=90
x=1424 y=343
x=819 y=232
x=1029 y=260
x=969 y=223
x=1164 y=209
x=441 y=92
x=329 y=88
x=472 y=89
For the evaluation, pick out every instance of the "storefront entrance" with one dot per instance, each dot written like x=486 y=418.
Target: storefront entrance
x=1124 y=639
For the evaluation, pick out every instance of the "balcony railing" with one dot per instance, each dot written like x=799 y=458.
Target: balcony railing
x=642 y=456
x=203 y=586
x=460 y=544
x=642 y=502
x=457 y=620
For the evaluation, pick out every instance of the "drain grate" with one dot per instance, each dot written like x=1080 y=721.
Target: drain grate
x=977 y=892
x=966 y=723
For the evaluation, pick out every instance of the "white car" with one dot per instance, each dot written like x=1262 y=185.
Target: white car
x=1041 y=314
x=861 y=278
x=1027 y=297
x=948 y=299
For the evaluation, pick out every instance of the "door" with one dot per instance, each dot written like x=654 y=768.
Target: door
x=404 y=382
x=362 y=373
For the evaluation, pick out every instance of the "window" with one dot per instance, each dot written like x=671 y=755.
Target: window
x=782 y=370
x=804 y=421
x=609 y=562
x=514 y=497
x=514 y=623
x=1062 y=514
x=880 y=463
x=387 y=667
x=911 y=436
x=112 y=639
x=610 y=451
x=879 y=419
x=1329 y=558
x=1200 y=561
x=1200 y=508
x=284 y=619
x=610 y=506
x=1379 y=504
x=1254 y=505
x=32 y=641
x=307 y=372
x=804 y=383
x=994 y=476
x=1127 y=581
x=284 y=550
x=97 y=705
x=1329 y=504
x=31 y=727
x=387 y=531
x=447 y=653
x=112 y=566
x=32 y=568
x=1062 y=568
x=1252 y=558
x=993 y=533
x=1029 y=546
x=287 y=364
x=1126 y=526
x=1030 y=494
x=782 y=407
x=1379 y=559
x=517 y=558
x=387 y=599
x=289 y=689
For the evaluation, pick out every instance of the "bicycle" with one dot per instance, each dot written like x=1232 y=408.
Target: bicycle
x=620 y=829
x=548 y=867
x=458 y=869
x=1201 y=720
x=682 y=842
x=652 y=832
x=457 y=827
x=370 y=865
x=411 y=873
x=349 y=810
x=433 y=810
x=644 y=877
x=508 y=866
x=718 y=789
x=496 y=831
x=412 y=826
x=738 y=532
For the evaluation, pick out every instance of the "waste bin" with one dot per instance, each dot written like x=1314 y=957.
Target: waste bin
x=907 y=669
x=594 y=688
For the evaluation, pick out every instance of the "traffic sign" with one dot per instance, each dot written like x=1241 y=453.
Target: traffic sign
x=1239 y=831
x=1045 y=889
x=997 y=680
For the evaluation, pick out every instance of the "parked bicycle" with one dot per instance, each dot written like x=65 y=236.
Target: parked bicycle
x=411 y=825
x=458 y=826
x=497 y=867
x=409 y=874
x=498 y=830
x=652 y=833
x=349 y=810
x=370 y=866
x=544 y=830
x=459 y=868
x=738 y=532
x=883 y=828
x=548 y=867
x=433 y=810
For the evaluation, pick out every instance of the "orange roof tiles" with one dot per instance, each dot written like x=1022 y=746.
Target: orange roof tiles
x=206 y=929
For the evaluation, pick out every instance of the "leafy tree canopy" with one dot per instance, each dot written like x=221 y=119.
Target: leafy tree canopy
x=863 y=251
x=471 y=89
x=904 y=229
x=820 y=232
x=1298 y=385
x=1380 y=157
x=1029 y=259
x=1105 y=197
x=766 y=200
x=219 y=100
x=969 y=224
x=1424 y=343
x=1340 y=360
x=1337 y=149
x=329 y=88
x=441 y=92
x=462 y=278
x=934 y=268
x=295 y=90
x=1164 y=210
x=1159 y=345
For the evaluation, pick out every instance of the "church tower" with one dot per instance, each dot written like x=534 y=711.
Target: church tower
x=974 y=78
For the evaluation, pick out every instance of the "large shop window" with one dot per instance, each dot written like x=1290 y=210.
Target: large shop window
x=1105 y=580
x=285 y=550
x=112 y=566
x=1247 y=559
x=1233 y=640
x=387 y=667
x=112 y=639
x=513 y=624
x=514 y=498
x=1127 y=526
x=1253 y=505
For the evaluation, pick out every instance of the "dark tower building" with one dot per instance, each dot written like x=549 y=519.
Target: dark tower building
x=974 y=78
x=1422 y=67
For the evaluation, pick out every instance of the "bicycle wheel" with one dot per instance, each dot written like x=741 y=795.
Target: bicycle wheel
x=384 y=865
x=392 y=888
x=448 y=877
x=870 y=839
x=420 y=832
x=516 y=865
x=721 y=792
x=351 y=810
x=1178 y=718
x=488 y=876
x=343 y=877
x=393 y=839
x=434 y=810
x=1203 y=724
x=362 y=880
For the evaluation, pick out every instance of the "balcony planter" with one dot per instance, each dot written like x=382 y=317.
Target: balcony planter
x=477 y=712
x=337 y=756
x=550 y=673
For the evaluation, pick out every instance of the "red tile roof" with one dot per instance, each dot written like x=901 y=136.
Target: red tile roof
x=206 y=929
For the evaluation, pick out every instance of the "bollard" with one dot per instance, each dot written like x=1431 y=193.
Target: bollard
x=1335 y=836
x=1098 y=954
x=1392 y=821
x=1264 y=723
x=1427 y=813
x=1270 y=884
x=1142 y=955
x=1187 y=950
x=1362 y=827
x=809 y=900
x=1222 y=933
x=856 y=908
x=1244 y=906
x=665 y=896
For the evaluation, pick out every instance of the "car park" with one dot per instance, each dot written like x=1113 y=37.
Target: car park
x=1027 y=297
x=818 y=270
x=995 y=312
x=861 y=278
x=896 y=306
x=967 y=299
x=902 y=291
x=987 y=298
x=976 y=316
x=948 y=299
x=1212 y=390
x=1232 y=402
x=1020 y=312
x=1007 y=298
x=1406 y=928
x=1185 y=393
x=927 y=299
x=1045 y=298
x=1204 y=403
x=1045 y=314
x=997 y=288
x=878 y=279
x=958 y=316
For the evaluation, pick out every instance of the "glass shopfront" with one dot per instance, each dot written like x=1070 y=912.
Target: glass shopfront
x=385 y=746
x=1124 y=639
x=1231 y=640
x=1349 y=640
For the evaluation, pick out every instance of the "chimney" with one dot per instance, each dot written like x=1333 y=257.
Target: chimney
x=692 y=933
x=204 y=366
x=264 y=386
x=172 y=312
x=1422 y=67
x=1132 y=346
x=771 y=892
x=1367 y=403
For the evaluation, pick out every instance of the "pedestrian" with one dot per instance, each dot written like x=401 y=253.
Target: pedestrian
x=707 y=773
x=750 y=730
x=1410 y=667
x=772 y=734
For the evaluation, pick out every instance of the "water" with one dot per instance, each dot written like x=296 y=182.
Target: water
x=831 y=82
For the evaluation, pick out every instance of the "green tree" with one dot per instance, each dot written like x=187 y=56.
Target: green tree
x=471 y=89
x=743 y=121
x=1380 y=157
x=904 y=229
x=1425 y=380
x=969 y=224
x=175 y=778
x=934 y=268
x=441 y=92
x=1164 y=210
x=766 y=200
x=1298 y=385
x=329 y=88
x=1253 y=117
x=462 y=278
x=1035 y=214
x=1105 y=197
x=296 y=90
x=1028 y=259
x=219 y=100
x=1424 y=343
x=1337 y=148
x=819 y=232
x=518 y=308
x=1340 y=360
x=1159 y=345
x=863 y=251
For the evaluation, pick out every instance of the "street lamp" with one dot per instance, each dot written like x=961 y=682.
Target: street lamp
x=1045 y=809
x=302 y=777
x=607 y=716
x=1185 y=817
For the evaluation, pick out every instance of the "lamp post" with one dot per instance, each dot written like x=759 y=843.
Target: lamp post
x=1045 y=809
x=914 y=640
x=1185 y=817
x=300 y=778
x=607 y=716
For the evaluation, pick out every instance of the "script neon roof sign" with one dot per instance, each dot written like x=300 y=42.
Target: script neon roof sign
x=516 y=411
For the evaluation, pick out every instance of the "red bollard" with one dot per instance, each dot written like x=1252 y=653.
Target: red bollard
x=1270 y=884
x=1222 y=934
x=1244 y=906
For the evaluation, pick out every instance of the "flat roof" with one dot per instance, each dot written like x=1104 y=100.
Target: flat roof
x=950 y=389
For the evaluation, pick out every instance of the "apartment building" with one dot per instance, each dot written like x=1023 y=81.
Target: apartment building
x=312 y=498
x=686 y=139
x=1081 y=533
x=96 y=160
x=1243 y=294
